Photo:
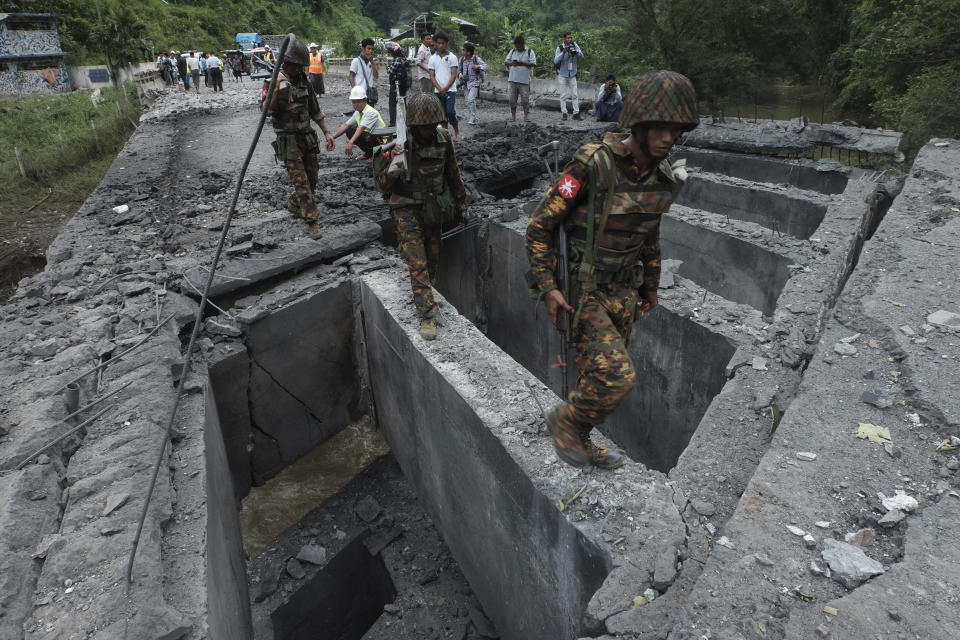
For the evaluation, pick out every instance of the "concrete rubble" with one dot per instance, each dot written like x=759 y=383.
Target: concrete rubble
x=803 y=304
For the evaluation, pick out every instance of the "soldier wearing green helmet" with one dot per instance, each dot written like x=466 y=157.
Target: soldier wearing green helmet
x=610 y=200
x=293 y=106
x=430 y=194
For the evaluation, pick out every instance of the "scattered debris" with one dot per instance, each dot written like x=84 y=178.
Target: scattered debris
x=758 y=363
x=862 y=538
x=797 y=531
x=114 y=502
x=849 y=564
x=313 y=553
x=295 y=569
x=892 y=518
x=121 y=209
x=809 y=541
x=763 y=560
x=367 y=509
x=703 y=508
x=901 y=501
x=942 y=318
x=806 y=456
x=879 y=398
x=845 y=349
x=874 y=433
x=568 y=501
x=724 y=541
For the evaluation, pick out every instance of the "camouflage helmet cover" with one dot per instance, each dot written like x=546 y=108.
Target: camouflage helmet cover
x=425 y=108
x=661 y=96
x=297 y=53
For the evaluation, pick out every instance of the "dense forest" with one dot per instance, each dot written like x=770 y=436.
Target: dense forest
x=889 y=63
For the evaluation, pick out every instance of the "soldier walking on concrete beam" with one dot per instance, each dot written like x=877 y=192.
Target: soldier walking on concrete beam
x=610 y=200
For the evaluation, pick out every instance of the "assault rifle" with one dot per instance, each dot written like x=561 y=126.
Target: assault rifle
x=563 y=265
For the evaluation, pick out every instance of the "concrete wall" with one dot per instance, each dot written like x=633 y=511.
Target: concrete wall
x=80 y=77
x=294 y=386
x=827 y=178
x=725 y=265
x=227 y=597
x=795 y=216
x=532 y=569
x=657 y=420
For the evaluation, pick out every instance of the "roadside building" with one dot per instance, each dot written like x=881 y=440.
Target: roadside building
x=31 y=60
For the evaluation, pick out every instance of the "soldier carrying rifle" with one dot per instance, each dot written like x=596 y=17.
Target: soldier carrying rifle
x=610 y=200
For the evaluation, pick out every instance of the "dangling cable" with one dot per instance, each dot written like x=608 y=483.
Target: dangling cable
x=203 y=303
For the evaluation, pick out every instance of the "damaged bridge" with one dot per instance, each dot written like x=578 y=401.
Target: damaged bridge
x=802 y=303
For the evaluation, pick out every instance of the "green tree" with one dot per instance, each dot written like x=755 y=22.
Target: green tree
x=120 y=37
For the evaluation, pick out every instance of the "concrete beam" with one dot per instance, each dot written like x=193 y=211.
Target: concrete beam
x=493 y=491
x=898 y=282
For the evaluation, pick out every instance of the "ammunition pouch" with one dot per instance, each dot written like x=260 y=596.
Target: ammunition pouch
x=439 y=208
x=609 y=265
x=290 y=145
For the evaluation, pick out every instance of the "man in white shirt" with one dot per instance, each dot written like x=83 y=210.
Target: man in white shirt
x=193 y=68
x=215 y=71
x=360 y=124
x=423 y=60
x=521 y=60
x=363 y=71
x=443 y=75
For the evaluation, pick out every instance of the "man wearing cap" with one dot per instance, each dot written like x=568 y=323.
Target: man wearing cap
x=359 y=125
x=315 y=71
x=293 y=106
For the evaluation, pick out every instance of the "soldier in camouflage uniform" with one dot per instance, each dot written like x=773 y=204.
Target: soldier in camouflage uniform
x=293 y=106
x=610 y=199
x=431 y=194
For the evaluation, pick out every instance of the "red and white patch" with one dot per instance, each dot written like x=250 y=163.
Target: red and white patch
x=569 y=186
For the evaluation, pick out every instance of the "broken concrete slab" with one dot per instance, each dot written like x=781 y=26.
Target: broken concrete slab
x=235 y=273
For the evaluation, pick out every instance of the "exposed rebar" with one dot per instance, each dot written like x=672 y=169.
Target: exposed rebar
x=115 y=358
x=61 y=438
x=203 y=303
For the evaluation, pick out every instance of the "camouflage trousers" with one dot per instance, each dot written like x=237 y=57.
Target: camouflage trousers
x=600 y=339
x=420 y=248
x=303 y=175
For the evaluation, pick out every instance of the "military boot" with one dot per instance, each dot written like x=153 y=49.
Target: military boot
x=313 y=230
x=428 y=329
x=600 y=457
x=566 y=438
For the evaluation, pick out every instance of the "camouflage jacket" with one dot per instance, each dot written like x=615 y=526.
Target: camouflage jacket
x=295 y=105
x=433 y=170
x=631 y=237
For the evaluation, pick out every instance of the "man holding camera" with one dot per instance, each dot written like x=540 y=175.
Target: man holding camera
x=565 y=63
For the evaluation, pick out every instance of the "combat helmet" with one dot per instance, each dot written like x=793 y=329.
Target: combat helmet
x=297 y=53
x=425 y=108
x=661 y=96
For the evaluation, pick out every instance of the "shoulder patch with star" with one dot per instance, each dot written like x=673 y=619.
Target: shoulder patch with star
x=568 y=186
